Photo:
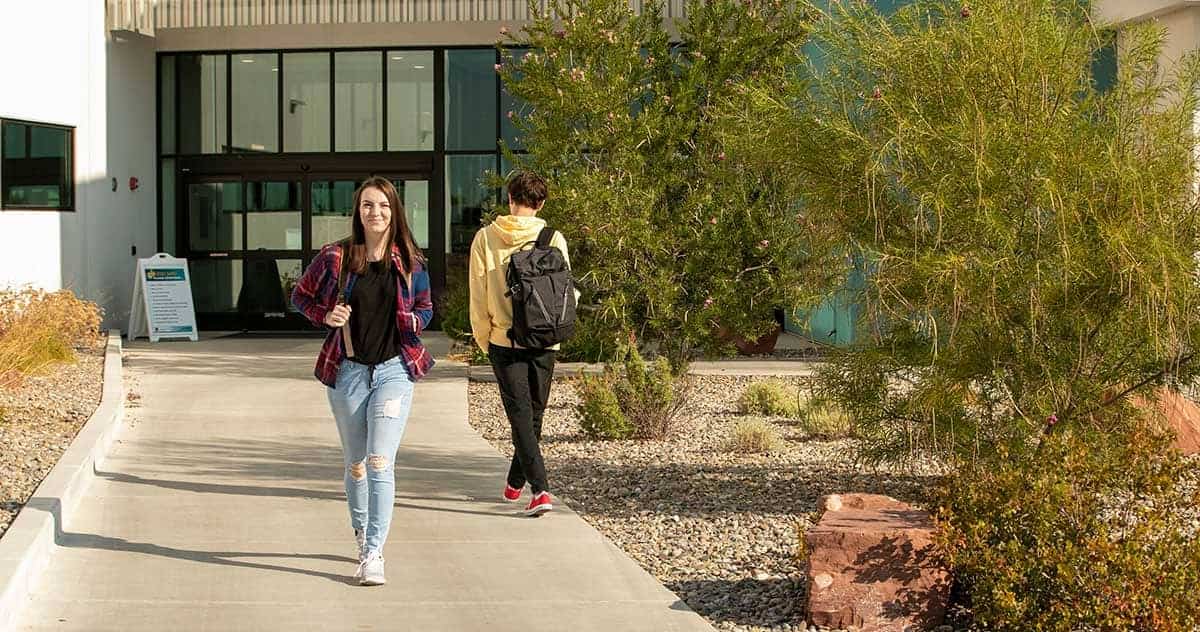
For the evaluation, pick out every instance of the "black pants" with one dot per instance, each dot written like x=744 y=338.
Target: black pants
x=524 y=376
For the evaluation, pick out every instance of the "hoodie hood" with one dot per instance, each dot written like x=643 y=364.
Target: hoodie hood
x=514 y=230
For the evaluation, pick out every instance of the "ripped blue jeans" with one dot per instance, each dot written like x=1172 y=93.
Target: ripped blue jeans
x=371 y=406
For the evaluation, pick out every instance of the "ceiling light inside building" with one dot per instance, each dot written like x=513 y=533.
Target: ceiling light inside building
x=247 y=60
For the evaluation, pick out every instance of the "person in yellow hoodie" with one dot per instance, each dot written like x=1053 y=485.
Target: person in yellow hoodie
x=524 y=375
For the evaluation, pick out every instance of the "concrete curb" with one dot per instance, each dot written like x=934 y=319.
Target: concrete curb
x=780 y=368
x=26 y=547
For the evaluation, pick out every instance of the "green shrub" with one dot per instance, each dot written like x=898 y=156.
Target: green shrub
x=1078 y=538
x=455 y=309
x=754 y=435
x=634 y=399
x=821 y=418
x=592 y=342
x=625 y=127
x=599 y=411
x=772 y=397
x=653 y=395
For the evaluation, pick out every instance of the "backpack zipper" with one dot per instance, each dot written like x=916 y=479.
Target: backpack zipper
x=540 y=304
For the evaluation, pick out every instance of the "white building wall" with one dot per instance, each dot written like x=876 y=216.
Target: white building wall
x=58 y=65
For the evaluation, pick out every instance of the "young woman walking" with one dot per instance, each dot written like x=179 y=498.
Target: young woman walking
x=372 y=293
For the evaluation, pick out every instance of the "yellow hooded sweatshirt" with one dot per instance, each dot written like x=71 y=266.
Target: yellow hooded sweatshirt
x=491 y=310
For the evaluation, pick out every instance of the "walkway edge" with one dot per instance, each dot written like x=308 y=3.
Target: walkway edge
x=740 y=368
x=26 y=547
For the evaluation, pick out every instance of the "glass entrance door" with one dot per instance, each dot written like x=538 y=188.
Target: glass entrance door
x=244 y=243
x=248 y=239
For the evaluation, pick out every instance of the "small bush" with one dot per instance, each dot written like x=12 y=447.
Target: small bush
x=599 y=411
x=1079 y=537
x=591 y=343
x=634 y=399
x=754 y=436
x=455 y=309
x=774 y=398
x=827 y=420
x=40 y=328
x=653 y=395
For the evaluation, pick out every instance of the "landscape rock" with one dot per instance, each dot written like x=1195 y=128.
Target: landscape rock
x=872 y=566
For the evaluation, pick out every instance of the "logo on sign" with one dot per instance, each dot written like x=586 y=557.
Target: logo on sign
x=160 y=274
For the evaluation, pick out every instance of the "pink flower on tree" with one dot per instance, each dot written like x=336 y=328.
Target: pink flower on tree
x=510 y=115
x=877 y=94
x=498 y=67
x=712 y=220
x=721 y=156
x=966 y=12
x=504 y=30
x=764 y=243
x=708 y=302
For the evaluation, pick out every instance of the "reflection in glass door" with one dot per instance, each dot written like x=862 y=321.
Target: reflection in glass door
x=249 y=236
x=333 y=202
x=245 y=251
x=274 y=247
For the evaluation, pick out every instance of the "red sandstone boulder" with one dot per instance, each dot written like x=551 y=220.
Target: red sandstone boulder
x=872 y=566
x=1180 y=414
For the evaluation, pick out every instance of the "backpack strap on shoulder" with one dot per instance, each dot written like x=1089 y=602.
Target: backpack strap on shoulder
x=343 y=273
x=343 y=269
x=544 y=237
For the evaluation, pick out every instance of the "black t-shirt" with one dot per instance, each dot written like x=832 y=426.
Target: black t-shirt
x=373 y=314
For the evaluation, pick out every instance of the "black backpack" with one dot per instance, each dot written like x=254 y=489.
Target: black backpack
x=543 y=294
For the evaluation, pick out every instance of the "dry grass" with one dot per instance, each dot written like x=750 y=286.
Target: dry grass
x=774 y=398
x=826 y=421
x=39 y=329
x=754 y=435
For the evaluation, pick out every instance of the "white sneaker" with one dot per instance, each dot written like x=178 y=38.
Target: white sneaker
x=370 y=570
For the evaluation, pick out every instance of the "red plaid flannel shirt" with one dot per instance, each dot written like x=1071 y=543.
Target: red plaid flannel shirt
x=316 y=294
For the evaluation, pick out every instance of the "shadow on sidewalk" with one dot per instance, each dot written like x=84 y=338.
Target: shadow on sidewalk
x=68 y=539
x=220 y=558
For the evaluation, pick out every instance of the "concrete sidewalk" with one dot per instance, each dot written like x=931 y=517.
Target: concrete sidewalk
x=222 y=509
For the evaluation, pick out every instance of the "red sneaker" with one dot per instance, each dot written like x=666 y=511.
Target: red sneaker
x=540 y=505
x=511 y=494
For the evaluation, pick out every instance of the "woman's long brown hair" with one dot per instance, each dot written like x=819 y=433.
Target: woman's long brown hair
x=399 y=233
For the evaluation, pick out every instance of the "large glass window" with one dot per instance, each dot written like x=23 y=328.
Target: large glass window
x=214 y=212
x=273 y=215
x=332 y=205
x=414 y=195
x=216 y=284
x=410 y=100
x=37 y=170
x=306 y=102
x=467 y=198
x=166 y=104
x=203 y=120
x=471 y=100
x=168 y=207
x=255 y=103
x=358 y=101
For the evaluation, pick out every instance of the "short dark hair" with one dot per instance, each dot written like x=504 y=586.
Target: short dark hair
x=527 y=189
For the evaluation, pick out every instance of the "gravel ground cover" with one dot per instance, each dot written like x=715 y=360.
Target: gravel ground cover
x=717 y=527
x=40 y=420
